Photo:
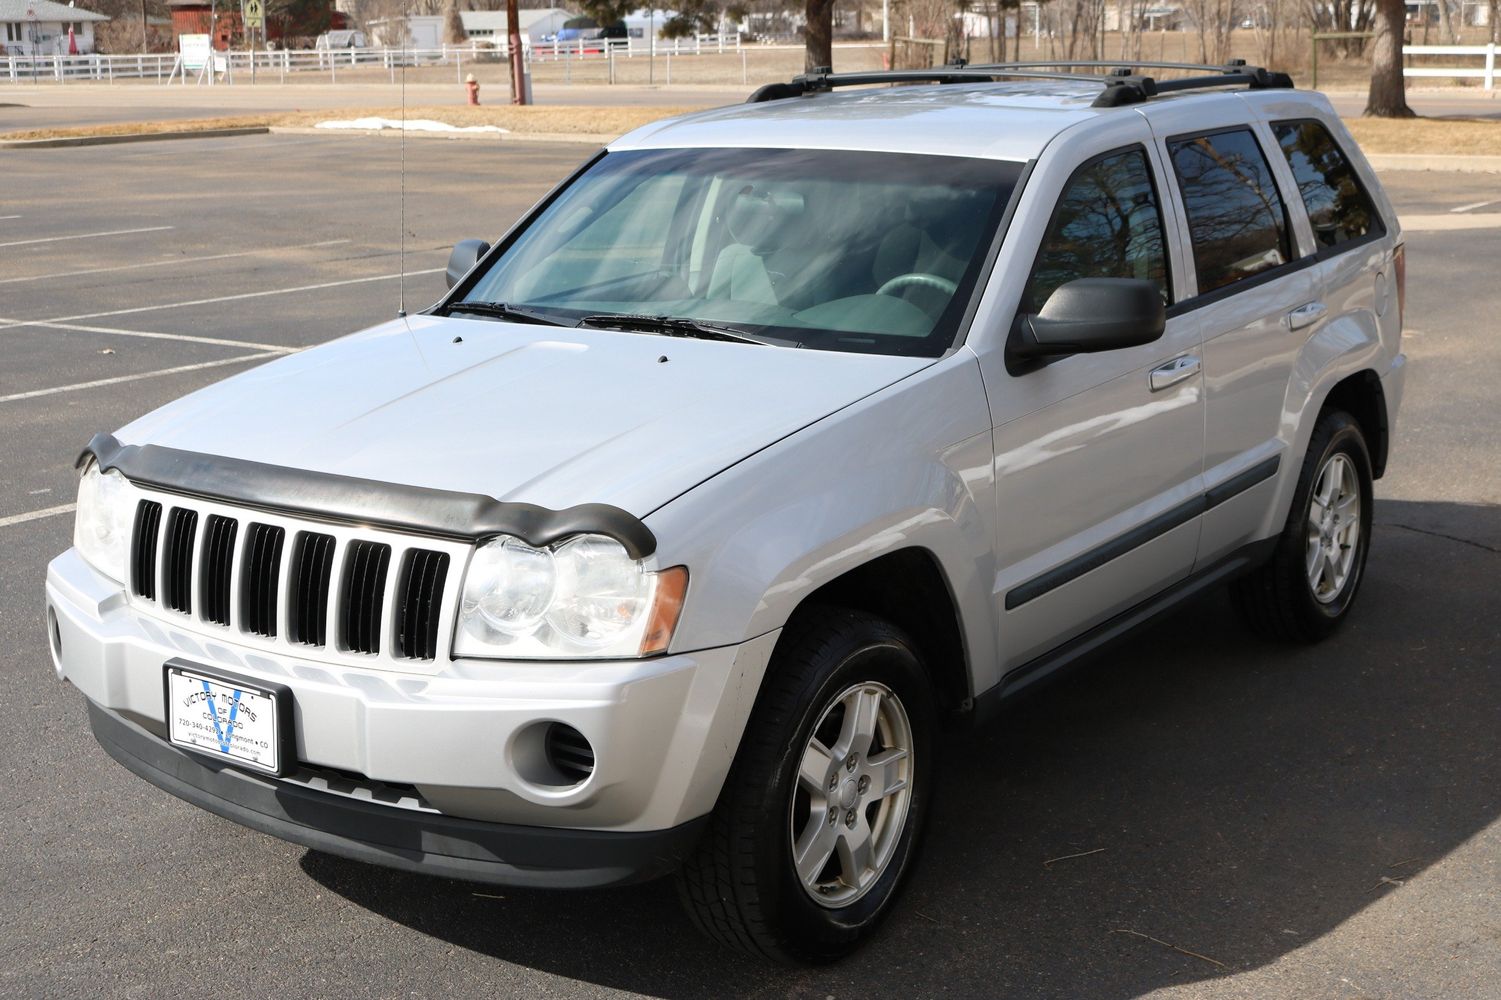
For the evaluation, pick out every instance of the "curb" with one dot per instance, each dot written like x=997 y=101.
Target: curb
x=1435 y=161
x=108 y=140
x=577 y=138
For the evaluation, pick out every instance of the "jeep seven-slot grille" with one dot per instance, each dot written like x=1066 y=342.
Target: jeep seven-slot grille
x=312 y=568
x=177 y=559
x=143 y=549
x=281 y=582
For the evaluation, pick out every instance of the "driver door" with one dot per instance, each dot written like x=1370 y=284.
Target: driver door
x=1098 y=457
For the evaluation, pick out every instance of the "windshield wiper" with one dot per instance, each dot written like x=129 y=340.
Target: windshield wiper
x=500 y=310
x=670 y=326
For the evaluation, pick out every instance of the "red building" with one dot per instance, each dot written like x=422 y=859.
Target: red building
x=302 y=19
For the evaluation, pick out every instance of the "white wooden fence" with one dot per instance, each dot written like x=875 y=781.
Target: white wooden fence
x=1485 y=72
x=326 y=64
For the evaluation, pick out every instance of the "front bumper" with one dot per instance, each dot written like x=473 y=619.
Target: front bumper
x=453 y=744
x=396 y=838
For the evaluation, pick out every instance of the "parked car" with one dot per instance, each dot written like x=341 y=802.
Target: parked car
x=775 y=440
x=341 y=40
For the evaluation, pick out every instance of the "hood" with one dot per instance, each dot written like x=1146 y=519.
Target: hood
x=543 y=415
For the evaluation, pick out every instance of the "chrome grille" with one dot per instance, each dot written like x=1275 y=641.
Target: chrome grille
x=339 y=593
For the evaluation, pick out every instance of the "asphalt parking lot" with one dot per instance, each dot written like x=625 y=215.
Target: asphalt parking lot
x=1253 y=820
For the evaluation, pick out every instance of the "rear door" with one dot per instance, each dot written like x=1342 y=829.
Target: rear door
x=1254 y=298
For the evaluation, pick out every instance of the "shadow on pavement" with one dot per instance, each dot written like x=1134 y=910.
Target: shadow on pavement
x=1248 y=797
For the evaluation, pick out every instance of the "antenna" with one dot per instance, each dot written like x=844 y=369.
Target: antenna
x=401 y=277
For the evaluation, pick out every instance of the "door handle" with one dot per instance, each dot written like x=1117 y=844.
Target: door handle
x=1173 y=372
x=1305 y=314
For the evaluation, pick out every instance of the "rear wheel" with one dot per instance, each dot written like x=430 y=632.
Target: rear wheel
x=818 y=822
x=1306 y=590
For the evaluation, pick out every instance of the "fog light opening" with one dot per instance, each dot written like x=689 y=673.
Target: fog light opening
x=552 y=755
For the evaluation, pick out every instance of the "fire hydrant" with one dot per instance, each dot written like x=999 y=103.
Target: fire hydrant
x=472 y=85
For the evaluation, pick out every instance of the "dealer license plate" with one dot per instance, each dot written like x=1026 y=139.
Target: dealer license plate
x=226 y=717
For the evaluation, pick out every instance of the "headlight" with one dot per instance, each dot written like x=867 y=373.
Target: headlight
x=583 y=598
x=101 y=531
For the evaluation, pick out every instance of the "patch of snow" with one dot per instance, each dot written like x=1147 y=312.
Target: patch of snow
x=411 y=125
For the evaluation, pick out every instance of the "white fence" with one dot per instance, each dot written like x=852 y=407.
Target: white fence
x=279 y=64
x=1485 y=72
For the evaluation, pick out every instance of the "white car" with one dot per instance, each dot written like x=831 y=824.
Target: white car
x=774 y=439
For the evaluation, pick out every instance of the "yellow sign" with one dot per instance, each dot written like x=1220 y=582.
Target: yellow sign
x=255 y=13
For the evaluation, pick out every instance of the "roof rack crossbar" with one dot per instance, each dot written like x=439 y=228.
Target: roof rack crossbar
x=1233 y=66
x=1122 y=86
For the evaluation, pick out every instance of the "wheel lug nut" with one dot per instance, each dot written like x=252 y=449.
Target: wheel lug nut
x=852 y=762
x=864 y=785
x=849 y=818
x=833 y=818
x=833 y=782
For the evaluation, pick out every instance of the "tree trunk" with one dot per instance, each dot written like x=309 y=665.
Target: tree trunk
x=819 y=34
x=1388 y=96
x=1446 y=23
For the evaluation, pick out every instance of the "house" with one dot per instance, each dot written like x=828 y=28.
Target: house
x=40 y=27
x=536 y=25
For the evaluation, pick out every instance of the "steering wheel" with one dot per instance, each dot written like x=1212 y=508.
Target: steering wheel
x=918 y=278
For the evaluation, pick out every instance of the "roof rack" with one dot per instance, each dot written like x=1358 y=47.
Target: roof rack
x=1122 y=85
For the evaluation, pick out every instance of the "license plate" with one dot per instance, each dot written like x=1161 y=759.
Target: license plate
x=235 y=720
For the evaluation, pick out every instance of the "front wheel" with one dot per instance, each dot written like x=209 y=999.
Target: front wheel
x=1305 y=591
x=818 y=822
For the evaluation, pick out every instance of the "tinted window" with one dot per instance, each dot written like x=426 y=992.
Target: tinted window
x=1235 y=215
x=1107 y=225
x=1337 y=205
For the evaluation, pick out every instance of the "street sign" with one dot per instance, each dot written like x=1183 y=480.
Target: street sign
x=255 y=13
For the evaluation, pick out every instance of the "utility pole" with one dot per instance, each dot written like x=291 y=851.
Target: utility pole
x=145 y=37
x=518 y=60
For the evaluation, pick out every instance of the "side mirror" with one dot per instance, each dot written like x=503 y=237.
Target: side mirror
x=1090 y=314
x=465 y=254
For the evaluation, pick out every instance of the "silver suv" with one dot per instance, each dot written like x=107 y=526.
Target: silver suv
x=773 y=440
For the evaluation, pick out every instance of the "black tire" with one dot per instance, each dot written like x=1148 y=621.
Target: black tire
x=740 y=886
x=1277 y=598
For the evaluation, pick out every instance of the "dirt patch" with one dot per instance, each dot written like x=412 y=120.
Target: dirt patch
x=550 y=119
x=1439 y=136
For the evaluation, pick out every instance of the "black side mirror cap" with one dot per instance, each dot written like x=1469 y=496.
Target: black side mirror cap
x=465 y=254
x=1090 y=314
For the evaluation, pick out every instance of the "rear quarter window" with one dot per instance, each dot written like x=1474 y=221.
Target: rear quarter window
x=1338 y=206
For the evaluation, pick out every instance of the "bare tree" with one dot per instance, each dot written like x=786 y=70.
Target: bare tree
x=1388 y=96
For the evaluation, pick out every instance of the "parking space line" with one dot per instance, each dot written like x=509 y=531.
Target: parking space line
x=164 y=263
x=1478 y=204
x=37 y=515
x=97 y=383
x=17 y=324
x=236 y=298
x=86 y=236
x=4 y=218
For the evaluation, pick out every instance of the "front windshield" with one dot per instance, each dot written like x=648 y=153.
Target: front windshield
x=828 y=249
